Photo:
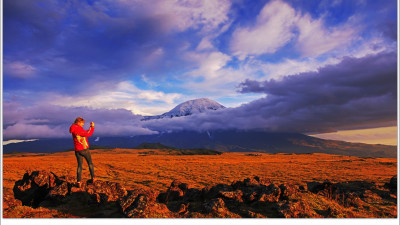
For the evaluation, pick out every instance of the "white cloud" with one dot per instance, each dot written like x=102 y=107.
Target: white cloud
x=271 y=31
x=365 y=47
x=182 y=15
x=22 y=130
x=314 y=39
x=19 y=69
x=297 y=66
x=129 y=89
x=17 y=141
x=278 y=24
x=124 y=96
x=158 y=96
x=372 y=46
x=110 y=128
x=208 y=64
x=46 y=120
x=154 y=56
x=211 y=77
x=290 y=67
x=148 y=81
x=205 y=44
x=188 y=14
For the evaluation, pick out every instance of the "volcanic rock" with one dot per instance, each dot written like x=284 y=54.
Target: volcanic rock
x=251 y=198
x=34 y=187
x=141 y=203
x=234 y=195
x=216 y=205
x=271 y=193
x=297 y=209
x=392 y=185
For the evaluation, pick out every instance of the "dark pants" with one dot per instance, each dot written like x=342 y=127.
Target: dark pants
x=86 y=154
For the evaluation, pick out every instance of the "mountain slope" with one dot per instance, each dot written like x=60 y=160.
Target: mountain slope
x=189 y=108
x=145 y=145
x=259 y=141
x=226 y=141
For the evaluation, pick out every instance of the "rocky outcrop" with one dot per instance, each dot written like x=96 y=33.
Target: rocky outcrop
x=40 y=186
x=251 y=198
x=92 y=199
x=392 y=184
x=142 y=204
x=34 y=187
x=351 y=193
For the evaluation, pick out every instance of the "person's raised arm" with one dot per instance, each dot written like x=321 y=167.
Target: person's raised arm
x=85 y=133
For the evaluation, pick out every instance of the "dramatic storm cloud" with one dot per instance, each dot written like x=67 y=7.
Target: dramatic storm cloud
x=355 y=93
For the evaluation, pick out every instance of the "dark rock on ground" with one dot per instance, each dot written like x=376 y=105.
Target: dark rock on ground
x=34 y=187
x=192 y=195
x=297 y=209
x=45 y=189
x=110 y=190
x=392 y=185
x=216 y=205
x=251 y=198
x=272 y=193
x=141 y=204
x=233 y=195
x=393 y=182
x=356 y=194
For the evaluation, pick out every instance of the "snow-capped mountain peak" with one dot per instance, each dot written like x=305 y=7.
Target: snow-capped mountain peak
x=189 y=108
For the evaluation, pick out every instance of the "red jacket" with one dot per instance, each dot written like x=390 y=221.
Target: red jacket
x=80 y=136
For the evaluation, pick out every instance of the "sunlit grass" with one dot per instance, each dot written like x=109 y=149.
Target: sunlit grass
x=134 y=170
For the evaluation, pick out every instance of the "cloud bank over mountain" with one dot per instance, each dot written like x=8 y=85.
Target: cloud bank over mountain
x=332 y=98
x=31 y=122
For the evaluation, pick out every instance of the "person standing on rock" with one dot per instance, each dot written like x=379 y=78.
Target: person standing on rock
x=81 y=144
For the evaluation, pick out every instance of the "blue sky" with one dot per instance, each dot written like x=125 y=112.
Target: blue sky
x=62 y=59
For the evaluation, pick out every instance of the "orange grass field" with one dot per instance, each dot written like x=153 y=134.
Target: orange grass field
x=136 y=169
